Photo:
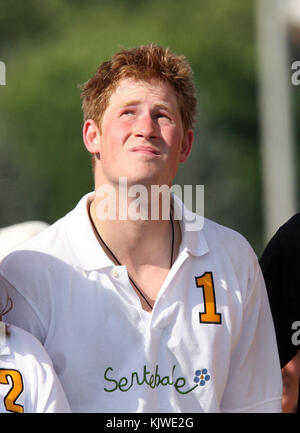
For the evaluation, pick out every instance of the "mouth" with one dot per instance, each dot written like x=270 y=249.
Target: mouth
x=145 y=149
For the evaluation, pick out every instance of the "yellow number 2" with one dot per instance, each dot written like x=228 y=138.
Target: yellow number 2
x=210 y=314
x=15 y=389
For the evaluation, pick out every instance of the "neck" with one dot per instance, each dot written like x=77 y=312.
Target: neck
x=146 y=247
x=137 y=242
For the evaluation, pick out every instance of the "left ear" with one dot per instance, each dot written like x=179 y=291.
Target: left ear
x=186 y=147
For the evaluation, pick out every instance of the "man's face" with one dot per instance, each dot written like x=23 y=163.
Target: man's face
x=142 y=135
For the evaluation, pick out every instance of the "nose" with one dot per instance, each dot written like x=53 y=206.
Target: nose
x=146 y=127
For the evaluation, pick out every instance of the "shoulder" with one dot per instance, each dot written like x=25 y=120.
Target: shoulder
x=46 y=240
x=40 y=253
x=285 y=242
x=24 y=352
x=46 y=249
x=56 y=239
x=25 y=345
x=32 y=374
x=36 y=268
x=223 y=233
x=203 y=234
x=225 y=239
x=227 y=251
x=13 y=235
x=41 y=264
x=292 y=223
x=290 y=231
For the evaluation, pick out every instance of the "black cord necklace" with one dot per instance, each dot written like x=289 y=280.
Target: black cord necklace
x=115 y=258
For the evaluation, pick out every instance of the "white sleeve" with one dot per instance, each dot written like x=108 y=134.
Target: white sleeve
x=47 y=396
x=28 y=382
x=255 y=383
x=23 y=314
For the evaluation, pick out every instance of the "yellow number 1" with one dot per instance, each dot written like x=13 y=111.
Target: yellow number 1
x=210 y=315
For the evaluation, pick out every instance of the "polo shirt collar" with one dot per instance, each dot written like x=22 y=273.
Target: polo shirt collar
x=192 y=229
x=91 y=256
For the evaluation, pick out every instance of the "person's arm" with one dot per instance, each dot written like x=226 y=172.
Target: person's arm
x=47 y=394
x=290 y=378
x=29 y=382
x=279 y=263
x=277 y=281
x=254 y=383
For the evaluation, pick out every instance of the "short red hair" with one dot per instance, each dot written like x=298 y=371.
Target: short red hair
x=145 y=62
x=142 y=63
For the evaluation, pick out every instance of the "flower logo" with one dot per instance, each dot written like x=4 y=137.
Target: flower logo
x=201 y=377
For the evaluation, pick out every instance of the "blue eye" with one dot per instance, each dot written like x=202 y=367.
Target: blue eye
x=162 y=116
x=127 y=112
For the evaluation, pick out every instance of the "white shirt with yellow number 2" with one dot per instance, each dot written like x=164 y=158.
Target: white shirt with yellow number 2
x=28 y=383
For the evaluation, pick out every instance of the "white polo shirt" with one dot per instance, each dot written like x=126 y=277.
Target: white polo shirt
x=28 y=383
x=208 y=345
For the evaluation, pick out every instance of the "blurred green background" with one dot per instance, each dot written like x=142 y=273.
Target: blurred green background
x=50 y=47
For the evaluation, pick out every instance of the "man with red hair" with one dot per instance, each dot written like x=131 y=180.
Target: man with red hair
x=146 y=314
